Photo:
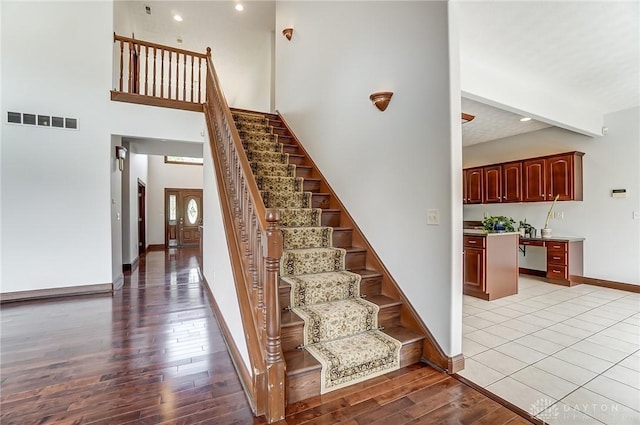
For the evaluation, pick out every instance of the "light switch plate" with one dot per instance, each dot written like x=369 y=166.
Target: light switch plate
x=433 y=217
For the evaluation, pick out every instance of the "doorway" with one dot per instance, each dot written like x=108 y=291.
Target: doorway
x=142 y=217
x=183 y=217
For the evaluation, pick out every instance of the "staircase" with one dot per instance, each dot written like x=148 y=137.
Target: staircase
x=394 y=317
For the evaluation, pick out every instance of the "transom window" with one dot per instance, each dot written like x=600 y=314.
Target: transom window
x=183 y=160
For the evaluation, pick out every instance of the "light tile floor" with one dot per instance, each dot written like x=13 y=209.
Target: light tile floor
x=566 y=355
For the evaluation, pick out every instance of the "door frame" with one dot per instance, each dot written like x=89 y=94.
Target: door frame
x=142 y=217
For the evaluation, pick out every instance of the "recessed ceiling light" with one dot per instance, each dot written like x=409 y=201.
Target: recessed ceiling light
x=239 y=7
x=524 y=119
x=177 y=18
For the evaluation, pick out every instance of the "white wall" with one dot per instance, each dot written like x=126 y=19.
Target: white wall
x=163 y=176
x=388 y=167
x=612 y=245
x=56 y=186
x=216 y=262
x=135 y=169
x=65 y=177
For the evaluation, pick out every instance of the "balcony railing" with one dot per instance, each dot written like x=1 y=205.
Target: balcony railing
x=153 y=74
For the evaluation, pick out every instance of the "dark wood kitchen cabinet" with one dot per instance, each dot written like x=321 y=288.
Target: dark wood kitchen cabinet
x=530 y=180
x=534 y=180
x=490 y=265
x=474 y=263
x=546 y=177
x=564 y=177
x=492 y=184
x=473 y=185
x=512 y=182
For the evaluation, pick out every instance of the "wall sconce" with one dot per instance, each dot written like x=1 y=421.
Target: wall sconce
x=288 y=33
x=381 y=99
x=121 y=155
x=467 y=118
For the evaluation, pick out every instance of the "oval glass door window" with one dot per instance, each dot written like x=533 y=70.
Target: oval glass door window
x=192 y=211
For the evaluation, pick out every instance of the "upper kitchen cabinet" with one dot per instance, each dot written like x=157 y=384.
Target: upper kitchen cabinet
x=535 y=180
x=512 y=182
x=473 y=185
x=564 y=177
x=492 y=184
x=530 y=180
x=546 y=177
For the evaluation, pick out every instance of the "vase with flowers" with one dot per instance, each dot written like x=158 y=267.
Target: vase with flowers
x=546 y=231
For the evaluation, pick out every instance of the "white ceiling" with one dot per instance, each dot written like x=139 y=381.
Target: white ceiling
x=492 y=123
x=589 y=50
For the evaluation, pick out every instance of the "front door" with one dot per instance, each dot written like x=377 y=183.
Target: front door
x=183 y=217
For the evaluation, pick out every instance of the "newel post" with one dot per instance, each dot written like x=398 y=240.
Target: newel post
x=275 y=363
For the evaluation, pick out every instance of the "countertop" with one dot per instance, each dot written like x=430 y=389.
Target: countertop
x=481 y=232
x=554 y=238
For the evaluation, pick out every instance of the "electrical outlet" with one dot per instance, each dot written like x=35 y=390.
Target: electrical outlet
x=559 y=215
x=433 y=217
x=636 y=215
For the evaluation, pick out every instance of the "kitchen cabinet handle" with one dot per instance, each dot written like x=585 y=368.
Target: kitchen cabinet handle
x=472 y=241
x=556 y=258
x=556 y=271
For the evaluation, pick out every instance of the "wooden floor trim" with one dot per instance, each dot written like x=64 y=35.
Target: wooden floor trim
x=456 y=364
x=232 y=348
x=515 y=409
x=156 y=247
x=532 y=272
x=629 y=287
x=133 y=265
x=37 y=294
x=577 y=280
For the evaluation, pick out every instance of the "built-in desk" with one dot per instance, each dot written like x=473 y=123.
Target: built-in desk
x=564 y=258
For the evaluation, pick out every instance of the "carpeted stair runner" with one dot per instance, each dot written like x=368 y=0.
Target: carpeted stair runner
x=340 y=328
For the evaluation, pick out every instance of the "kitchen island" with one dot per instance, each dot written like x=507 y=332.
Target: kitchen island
x=490 y=264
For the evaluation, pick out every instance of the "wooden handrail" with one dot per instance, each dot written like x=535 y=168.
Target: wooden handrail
x=258 y=242
x=158 y=46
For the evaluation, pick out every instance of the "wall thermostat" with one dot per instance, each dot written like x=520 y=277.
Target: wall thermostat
x=619 y=193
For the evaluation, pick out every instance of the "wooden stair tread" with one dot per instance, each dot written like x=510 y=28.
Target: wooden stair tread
x=289 y=318
x=404 y=335
x=366 y=273
x=300 y=361
x=383 y=301
x=353 y=249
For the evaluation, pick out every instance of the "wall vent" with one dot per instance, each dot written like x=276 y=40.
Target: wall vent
x=14 y=117
x=57 y=122
x=42 y=120
x=29 y=119
x=71 y=123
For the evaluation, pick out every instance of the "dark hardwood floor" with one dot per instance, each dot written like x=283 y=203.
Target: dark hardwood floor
x=153 y=354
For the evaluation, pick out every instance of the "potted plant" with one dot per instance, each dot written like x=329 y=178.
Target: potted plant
x=525 y=229
x=546 y=231
x=498 y=223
